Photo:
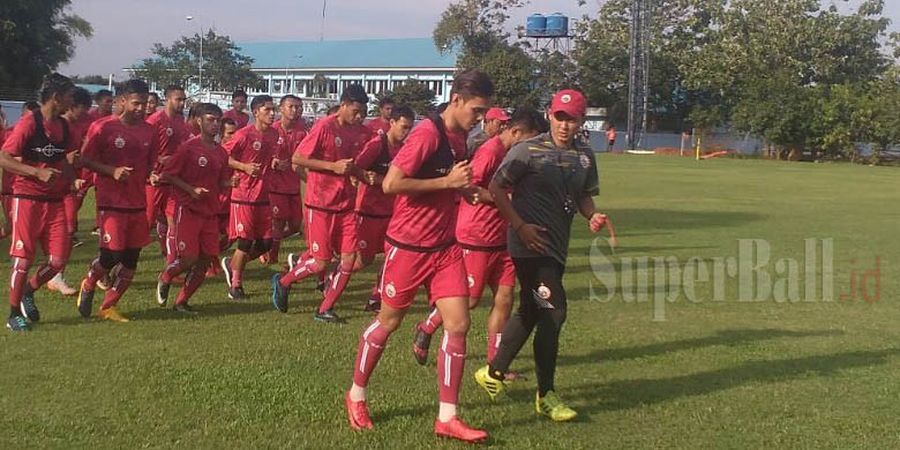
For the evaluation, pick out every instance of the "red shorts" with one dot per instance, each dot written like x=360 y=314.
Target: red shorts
x=196 y=234
x=328 y=233
x=442 y=273
x=370 y=232
x=250 y=222
x=121 y=230
x=36 y=222
x=285 y=206
x=492 y=268
x=157 y=198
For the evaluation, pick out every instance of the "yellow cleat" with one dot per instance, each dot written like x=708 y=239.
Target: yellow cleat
x=113 y=314
x=493 y=386
x=553 y=407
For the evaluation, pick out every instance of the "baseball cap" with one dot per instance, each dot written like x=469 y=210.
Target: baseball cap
x=570 y=102
x=496 y=114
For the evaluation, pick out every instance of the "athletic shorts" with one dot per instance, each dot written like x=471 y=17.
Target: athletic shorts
x=370 y=232
x=285 y=206
x=488 y=268
x=196 y=234
x=39 y=223
x=328 y=233
x=250 y=222
x=122 y=230
x=442 y=273
x=157 y=199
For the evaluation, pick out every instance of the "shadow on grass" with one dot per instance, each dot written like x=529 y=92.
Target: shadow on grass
x=642 y=220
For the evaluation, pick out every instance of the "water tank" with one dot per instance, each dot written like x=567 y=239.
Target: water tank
x=557 y=25
x=535 y=25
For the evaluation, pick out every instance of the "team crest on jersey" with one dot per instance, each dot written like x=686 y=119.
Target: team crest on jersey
x=240 y=228
x=170 y=131
x=119 y=142
x=390 y=290
x=363 y=244
x=585 y=161
x=202 y=161
x=471 y=280
x=338 y=142
x=257 y=145
x=106 y=238
x=181 y=246
x=315 y=247
x=544 y=292
x=20 y=245
x=280 y=140
x=275 y=210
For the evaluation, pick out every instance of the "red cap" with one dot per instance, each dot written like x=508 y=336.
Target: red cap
x=570 y=102
x=496 y=114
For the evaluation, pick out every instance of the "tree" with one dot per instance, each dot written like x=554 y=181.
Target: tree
x=412 y=93
x=89 y=79
x=224 y=67
x=36 y=36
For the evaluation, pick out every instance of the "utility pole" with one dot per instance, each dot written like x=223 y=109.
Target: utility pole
x=638 y=71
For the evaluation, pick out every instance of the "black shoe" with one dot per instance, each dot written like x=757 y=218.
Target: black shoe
x=421 y=343
x=184 y=308
x=279 y=294
x=17 y=323
x=162 y=292
x=85 y=301
x=28 y=307
x=321 y=287
x=237 y=294
x=373 y=306
x=329 y=317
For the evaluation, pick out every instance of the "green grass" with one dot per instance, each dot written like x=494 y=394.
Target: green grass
x=713 y=374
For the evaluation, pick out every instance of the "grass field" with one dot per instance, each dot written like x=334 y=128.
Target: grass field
x=715 y=373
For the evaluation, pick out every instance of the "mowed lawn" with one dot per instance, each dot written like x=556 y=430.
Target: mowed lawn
x=715 y=373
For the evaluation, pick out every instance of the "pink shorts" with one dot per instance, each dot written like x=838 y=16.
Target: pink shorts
x=442 y=273
x=250 y=222
x=328 y=233
x=285 y=206
x=121 y=230
x=196 y=234
x=39 y=223
x=370 y=232
x=488 y=268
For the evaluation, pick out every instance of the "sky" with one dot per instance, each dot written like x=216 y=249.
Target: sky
x=125 y=30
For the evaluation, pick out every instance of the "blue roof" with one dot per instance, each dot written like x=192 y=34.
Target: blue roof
x=366 y=53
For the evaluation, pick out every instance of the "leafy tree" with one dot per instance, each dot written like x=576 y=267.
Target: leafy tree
x=412 y=93
x=89 y=79
x=224 y=67
x=36 y=36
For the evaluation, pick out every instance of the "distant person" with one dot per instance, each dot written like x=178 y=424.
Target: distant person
x=494 y=122
x=236 y=113
x=152 y=103
x=382 y=123
x=104 y=101
x=284 y=181
x=610 y=138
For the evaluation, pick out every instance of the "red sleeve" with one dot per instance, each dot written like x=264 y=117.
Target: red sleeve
x=93 y=141
x=153 y=156
x=483 y=162
x=20 y=135
x=225 y=175
x=369 y=153
x=176 y=161
x=310 y=145
x=420 y=145
x=235 y=147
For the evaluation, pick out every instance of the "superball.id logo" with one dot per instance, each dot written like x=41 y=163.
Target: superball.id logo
x=758 y=273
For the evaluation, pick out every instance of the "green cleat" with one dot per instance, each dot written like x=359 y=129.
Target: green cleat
x=491 y=385
x=553 y=407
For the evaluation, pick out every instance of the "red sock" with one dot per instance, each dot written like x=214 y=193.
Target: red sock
x=191 y=283
x=371 y=345
x=115 y=292
x=95 y=274
x=273 y=252
x=19 y=278
x=171 y=271
x=493 y=345
x=432 y=323
x=451 y=360
x=43 y=274
x=337 y=283
x=303 y=269
x=70 y=204
x=171 y=247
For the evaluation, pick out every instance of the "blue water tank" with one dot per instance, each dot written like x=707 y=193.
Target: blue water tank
x=557 y=25
x=535 y=25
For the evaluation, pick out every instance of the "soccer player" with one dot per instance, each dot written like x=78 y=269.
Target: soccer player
x=152 y=103
x=42 y=179
x=494 y=121
x=251 y=151
x=551 y=178
x=481 y=232
x=198 y=170
x=327 y=153
x=373 y=206
x=6 y=190
x=382 y=123
x=426 y=176
x=121 y=150
x=284 y=182
x=236 y=113
x=171 y=132
x=104 y=100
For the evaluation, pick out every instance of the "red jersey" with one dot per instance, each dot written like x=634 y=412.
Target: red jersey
x=43 y=147
x=199 y=165
x=287 y=181
x=94 y=115
x=111 y=142
x=328 y=141
x=481 y=225
x=240 y=118
x=250 y=146
x=171 y=132
x=78 y=130
x=7 y=178
x=425 y=220
x=375 y=156
x=378 y=124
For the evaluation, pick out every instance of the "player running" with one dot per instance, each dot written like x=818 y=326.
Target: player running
x=284 y=182
x=236 y=113
x=381 y=124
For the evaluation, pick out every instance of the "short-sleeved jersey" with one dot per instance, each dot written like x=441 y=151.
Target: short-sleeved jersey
x=287 y=181
x=375 y=156
x=481 y=225
x=111 y=142
x=171 y=132
x=379 y=124
x=250 y=146
x=329 y=141
x=240 y=118
x=199 y=165
x=43 y=147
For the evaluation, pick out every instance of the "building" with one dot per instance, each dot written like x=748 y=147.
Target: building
x=319 y=71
